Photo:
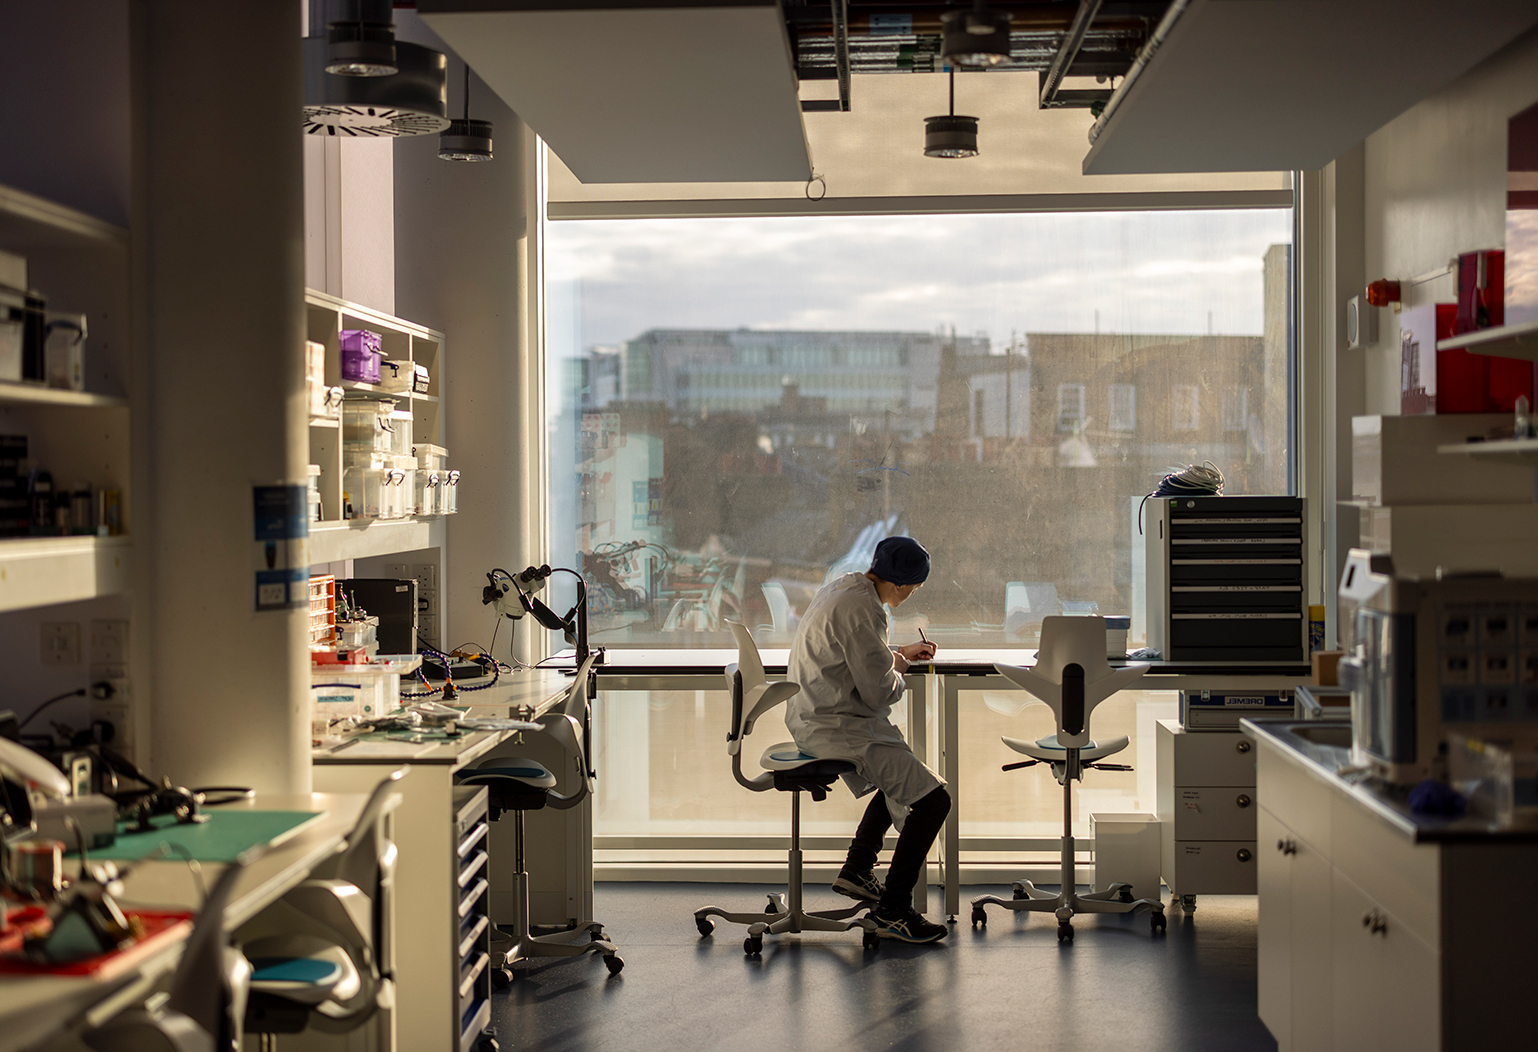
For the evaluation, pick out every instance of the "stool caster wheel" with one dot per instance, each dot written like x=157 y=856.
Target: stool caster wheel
x=979 y=917
x=1188 y=903
x=517 y=972
x=614 y=962
x=1065 y=932
x=500 y=978
x=753 y=945
x=487 y=1042
x=705 y=925
x=597 y=936
x=1018 y=892
x=872 y=940
x=1157 y=922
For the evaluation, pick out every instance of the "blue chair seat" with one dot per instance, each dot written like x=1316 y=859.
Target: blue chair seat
x=507 y=769
x=312 y=971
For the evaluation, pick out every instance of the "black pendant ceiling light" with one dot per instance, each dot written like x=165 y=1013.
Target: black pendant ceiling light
x=979 y=37
x=360 y=39
x=950 y=135
x=360 y=102
x=465 y=139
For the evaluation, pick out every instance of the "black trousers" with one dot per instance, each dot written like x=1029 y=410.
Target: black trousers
x=913 y=844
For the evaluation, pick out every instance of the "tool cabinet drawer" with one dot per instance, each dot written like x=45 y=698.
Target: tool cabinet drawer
x=1193 y=758
x=1210 y=867
x=1214 y=812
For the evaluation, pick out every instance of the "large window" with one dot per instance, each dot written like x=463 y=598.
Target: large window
x=742 y=408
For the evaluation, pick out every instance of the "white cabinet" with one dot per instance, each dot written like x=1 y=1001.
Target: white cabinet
x=1385 y=980
x=1206 y=807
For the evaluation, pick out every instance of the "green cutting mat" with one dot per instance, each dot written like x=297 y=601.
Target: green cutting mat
x=222 y=838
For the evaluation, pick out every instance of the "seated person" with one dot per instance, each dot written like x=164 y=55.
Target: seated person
x=849 y=681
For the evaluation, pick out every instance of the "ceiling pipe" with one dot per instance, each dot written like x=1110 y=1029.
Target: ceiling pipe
x=1068 y=50
x=1160 y=34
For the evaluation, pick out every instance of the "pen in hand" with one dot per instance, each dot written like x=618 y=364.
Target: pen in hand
x=925 y=638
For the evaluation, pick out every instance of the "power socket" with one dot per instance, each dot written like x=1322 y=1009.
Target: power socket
x=59 y=642
x=109 y=642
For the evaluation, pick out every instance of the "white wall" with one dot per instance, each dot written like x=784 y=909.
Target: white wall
x=1435 y=186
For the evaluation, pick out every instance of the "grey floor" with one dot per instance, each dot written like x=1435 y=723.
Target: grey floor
x=1010 y=986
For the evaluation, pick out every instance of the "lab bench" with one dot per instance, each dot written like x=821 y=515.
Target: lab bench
x=38 y=1010
x=940 y=685
x=1381 y=928
x=439 y=973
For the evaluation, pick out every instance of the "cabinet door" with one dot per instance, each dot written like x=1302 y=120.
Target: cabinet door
x=1313 y=970
x=1274 y=963
x=1412 y=1016
x=1358 y=1003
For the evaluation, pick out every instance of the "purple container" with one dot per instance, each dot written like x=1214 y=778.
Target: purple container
x=360 y=356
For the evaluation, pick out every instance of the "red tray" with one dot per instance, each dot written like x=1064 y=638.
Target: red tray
x=160 y=929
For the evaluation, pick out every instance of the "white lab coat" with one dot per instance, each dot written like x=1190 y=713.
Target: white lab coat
x=843 y=664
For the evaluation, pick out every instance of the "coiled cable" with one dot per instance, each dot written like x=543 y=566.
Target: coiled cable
x=1193 y=480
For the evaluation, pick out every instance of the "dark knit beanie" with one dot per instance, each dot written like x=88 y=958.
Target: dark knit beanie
x=901 y=560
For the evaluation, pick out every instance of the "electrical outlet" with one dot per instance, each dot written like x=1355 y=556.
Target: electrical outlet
x=427 y=577
x=59 y=642
x=398 y=571
x=109 y=642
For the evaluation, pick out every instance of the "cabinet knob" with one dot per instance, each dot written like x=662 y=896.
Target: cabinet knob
x=1243 y=800
x=1375 y=923
x=1243 y=745
x=1243 y=854
x=1287 y=846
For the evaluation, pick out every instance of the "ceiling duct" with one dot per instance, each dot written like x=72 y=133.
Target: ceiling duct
x=411 y=101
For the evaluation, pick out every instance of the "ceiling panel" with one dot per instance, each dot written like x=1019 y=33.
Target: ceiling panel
x=638 y=94
x=1267 y=85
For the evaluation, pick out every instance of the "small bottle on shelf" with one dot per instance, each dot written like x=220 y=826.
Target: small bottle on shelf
x=1523 y=423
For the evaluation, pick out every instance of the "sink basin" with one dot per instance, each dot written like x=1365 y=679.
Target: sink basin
x=1336 y=735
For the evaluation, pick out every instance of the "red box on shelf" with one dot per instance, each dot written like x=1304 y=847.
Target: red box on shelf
x=1477 y=383
x=1481 y=291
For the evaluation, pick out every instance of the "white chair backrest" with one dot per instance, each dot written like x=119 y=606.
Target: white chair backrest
x=758 y=694
x=575 y=704
x=779 y=604
x=1065 y=642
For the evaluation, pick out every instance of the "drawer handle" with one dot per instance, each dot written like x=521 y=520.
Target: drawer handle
x=1242 y=745
x=1287 y=846
x=1243 y=854
x=1375 y=923
x=1243 y=800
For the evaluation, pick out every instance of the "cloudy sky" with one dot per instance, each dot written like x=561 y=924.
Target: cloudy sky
x=1152 y=272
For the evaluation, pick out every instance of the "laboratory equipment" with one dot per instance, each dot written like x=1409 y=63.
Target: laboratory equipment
x=518 y=784
x=64 y=350
x=788 y=770
x=1226 y=579
x=1221 y=710
x=394 y=602
x=1072 y=677
x=1431 y=658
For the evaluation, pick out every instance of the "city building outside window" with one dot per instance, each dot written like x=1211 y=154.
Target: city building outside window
x=1236 y=408
x=1185 y=407
x=1123 y=408
x=1070 y=407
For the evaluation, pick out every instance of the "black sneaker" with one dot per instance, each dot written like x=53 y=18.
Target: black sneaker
x=862 y=887
x=908 y=925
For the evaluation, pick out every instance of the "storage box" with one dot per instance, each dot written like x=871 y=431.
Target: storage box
x=362 y=491
x=398 y=376
x=1116 y=628
x=1458 y=538
x=366 y=425
x=450 y=495
x=1394 y=460
x=314 y=492
x=431 y=457
x=429 y=492
x=398 y=424
x=1127 y=852
x=64 y=351
x=360 y=355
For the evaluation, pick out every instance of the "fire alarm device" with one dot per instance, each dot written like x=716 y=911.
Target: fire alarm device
x=1361 y=324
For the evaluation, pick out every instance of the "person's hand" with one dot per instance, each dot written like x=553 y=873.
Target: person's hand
x=917 y=653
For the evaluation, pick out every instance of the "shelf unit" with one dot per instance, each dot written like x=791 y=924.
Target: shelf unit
x=1504 y=341
x=1518 y=452
x=325 y=318
x=332 y=542
x=82 y=265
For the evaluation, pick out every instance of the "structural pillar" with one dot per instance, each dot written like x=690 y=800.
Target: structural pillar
x=466 y=263
x=218 y=395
